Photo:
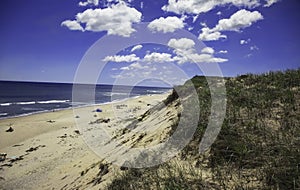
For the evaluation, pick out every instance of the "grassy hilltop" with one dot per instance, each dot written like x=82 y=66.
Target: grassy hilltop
x=258 y=146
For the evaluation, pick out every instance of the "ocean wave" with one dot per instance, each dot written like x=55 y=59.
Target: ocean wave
x=35 y=102
x=3 y=114
x=115 y=94
x=24 y=103
x=5 y=104
x=53 y=101
x=155 y=91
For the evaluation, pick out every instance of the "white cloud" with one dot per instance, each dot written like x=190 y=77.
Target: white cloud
x=195 y=18
x=138 y=68
x=122 y=58
x=190 y=28
x=185 y=52
x=203 y=24
x=134 y=66
x=168 y=24
x=239 y=20
x=223 y=51
x=72 y=25
x=89 y=2
x=208 y=35
x=205 y=58
x=203 y=6
x=219 y=13
x=125 y=68
x=270 y=2
x=182 y=46
x=242 y=42
x=137 y=47
x=208 y=50
x=158 y=57
x=116 y=19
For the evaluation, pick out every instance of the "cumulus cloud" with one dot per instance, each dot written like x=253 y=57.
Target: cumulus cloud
x=134 y=66
x=208 y=50
x=182 y=46
x=116 y=19
x=137 y=47
x=122 y=58
x=184 y=49
x=158 y=57
x=206 y=58
x=168 y=24
x=208 y=35
x=72 y=25
x=184 y=52
x=203 y=6
x=89 y=2
x=239 y=20
x=270 y=3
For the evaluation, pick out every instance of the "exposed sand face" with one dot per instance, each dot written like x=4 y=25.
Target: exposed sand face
x=48 y=150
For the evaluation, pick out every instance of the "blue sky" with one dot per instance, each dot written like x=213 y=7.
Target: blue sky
x=46 y=41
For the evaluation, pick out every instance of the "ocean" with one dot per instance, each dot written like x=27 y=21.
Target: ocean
x=23 y=98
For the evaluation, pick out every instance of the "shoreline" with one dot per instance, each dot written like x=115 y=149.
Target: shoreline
x=80 y=106
x=44 y=118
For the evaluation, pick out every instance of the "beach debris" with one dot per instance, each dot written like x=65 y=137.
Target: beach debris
x=105 y=120
x=2 y=178
x=16 y=158
x=63 y=136
x=10 y=129
x=31 y=149
x=5 y=165
x=100 y=121
x=77 y=117
x=148 y=104
x=77 y=132
x=2 y=156
x=64 y=177
x=50 y=121
x=16 y=145
x=98 y=110
x=121 y=106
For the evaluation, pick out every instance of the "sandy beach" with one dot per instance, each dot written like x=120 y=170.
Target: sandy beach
x=47 y=150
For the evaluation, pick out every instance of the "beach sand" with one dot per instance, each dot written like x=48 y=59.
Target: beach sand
x=48 y=151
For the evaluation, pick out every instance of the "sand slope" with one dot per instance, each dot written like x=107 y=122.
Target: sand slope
x=48 y=151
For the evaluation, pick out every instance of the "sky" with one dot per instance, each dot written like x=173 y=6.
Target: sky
x=158 y=41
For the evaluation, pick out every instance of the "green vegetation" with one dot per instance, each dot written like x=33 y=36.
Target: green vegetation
x=258 y=146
